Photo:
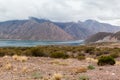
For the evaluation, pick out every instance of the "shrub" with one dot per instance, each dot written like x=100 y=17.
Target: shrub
x=81 y=57
x=36 y=75
x=27 y=52
x=20 y=58
x=24 y=69
x=106 y=60
x=89 y=49
x=8 y=66
x=59 y=55
x=84 y=78
x=91 y=67
x=37 y=52
x=2 y=53
x=57 y=76
x=80 y=70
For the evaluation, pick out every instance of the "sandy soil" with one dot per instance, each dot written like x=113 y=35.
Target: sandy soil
x=71 y=69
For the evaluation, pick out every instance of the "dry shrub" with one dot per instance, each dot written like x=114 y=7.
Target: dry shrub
x=57 y=76
x=23 y=58
x=20 y=58
x=117 y=63
x=79 y=69
x=24 y=69
x=59 y=63
x=91 y=60
x=6 y=56
x=15 y=57
x=8 y=66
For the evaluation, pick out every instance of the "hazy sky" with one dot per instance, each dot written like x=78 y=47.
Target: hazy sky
x=62 y=10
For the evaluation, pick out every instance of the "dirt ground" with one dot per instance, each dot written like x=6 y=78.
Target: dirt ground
x=40 y=68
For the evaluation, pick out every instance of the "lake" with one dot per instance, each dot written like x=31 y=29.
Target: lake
x=29 y=43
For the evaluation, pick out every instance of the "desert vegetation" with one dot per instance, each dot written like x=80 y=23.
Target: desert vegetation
x=79 y=52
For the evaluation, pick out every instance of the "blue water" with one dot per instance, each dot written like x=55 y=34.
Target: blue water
x=28 y=43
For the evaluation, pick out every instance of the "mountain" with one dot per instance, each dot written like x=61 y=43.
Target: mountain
x=32 y=30
x=83 y=30
x=43 y=29
x=96 y=26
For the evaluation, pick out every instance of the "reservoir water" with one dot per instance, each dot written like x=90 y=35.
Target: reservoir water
x=29 y=43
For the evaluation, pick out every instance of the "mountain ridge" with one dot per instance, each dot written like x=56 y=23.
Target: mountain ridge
x=43 y=29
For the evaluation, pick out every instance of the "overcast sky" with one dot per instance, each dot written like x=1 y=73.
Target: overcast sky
x=62 y=10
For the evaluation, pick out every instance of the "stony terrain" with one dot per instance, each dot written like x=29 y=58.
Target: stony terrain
x=40 y=68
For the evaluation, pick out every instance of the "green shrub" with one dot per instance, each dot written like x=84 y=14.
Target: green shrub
x=2 y=53
x=81 y=56
x=89 y=49
x=27 y=53
x=37 y=52
x=83 y=78
x=36 y=75
x=59 y=55
x=91 y=67
x=106 y=60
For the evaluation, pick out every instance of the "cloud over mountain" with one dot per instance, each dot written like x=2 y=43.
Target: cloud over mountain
x=61 y=10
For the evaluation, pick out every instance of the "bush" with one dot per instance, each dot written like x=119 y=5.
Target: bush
x=106 y=60
x=89 y=49
x=2 y=53
x=38 y=52
x=59 y=55
x=91 y=67
x=36 y=75
x=84 y=78
x=81 y=56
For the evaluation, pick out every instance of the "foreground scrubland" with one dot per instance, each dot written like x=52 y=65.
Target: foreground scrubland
x=60 y=63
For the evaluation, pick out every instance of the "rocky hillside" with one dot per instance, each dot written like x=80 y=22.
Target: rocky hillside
x=97 y=37
x=42 y=29
x=104 y=37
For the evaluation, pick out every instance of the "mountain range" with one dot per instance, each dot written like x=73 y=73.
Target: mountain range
x=42 y=29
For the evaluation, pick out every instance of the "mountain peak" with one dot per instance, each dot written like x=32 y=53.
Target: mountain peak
x=39 y=20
